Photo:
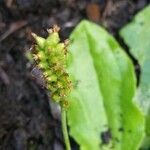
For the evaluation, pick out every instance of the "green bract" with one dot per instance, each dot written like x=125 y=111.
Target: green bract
x=50 y=56
x=102 y=114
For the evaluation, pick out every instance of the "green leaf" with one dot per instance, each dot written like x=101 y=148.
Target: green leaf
x=137 y=37
x=102 y=115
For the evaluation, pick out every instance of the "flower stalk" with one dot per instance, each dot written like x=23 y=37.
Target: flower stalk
x=51 y=56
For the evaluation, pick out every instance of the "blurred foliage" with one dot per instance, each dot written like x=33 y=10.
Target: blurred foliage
x=137 y=36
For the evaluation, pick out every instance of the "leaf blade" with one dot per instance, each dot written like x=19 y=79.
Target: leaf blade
x=109 y=69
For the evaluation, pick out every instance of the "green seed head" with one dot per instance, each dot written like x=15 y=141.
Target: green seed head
x=51 y=58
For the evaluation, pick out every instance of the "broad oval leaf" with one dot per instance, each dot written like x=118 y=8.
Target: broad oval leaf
x=137 y=37
x=102 y=115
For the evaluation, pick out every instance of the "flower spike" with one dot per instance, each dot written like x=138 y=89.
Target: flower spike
x=51 y=56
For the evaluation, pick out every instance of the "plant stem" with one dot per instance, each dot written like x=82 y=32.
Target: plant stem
x=64 y=129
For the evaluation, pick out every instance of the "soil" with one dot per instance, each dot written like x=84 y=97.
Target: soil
x=26 y=120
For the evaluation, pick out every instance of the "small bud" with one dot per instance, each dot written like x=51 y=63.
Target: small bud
x=41 y=55
x=50 y=31
x=66 y=42
x=65 y=104
x=52 y=78
x=60 y=47
x=47 y=73
x=42 y=65
x=59 y=84
x=62 y=93
x=35 y=57
x=56 y=98
x=56 y=28
x=52 y=40
x=51 y=88
x=40 y=41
